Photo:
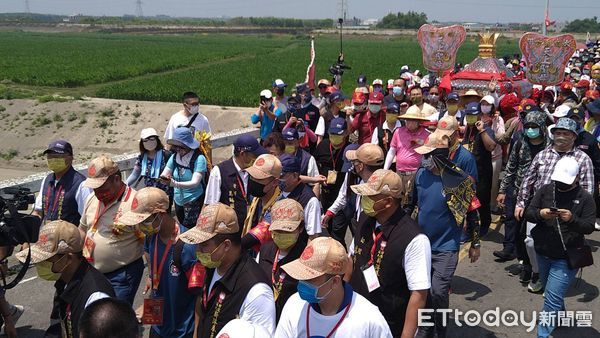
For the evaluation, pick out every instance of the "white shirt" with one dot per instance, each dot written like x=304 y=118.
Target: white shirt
x=258 y=306
x=375 y=136
x=416 y=262
x=80 y=197
x=312 y=170
x=362 y=320
x=213 y=188
x=312 y=215
x=180 y=120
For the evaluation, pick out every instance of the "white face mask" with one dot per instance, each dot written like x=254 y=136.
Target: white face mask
x=486 y=109
x=194 y=109
x=150 y=145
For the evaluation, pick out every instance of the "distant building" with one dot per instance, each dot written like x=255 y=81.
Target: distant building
x=74 y=18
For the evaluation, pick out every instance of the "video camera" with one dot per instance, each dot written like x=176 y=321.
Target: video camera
x=17 y=228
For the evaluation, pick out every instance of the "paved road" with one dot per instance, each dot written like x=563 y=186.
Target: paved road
x=480 y=286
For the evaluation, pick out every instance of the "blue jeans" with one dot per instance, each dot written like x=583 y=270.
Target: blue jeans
x=556 y=276
x=126 y=280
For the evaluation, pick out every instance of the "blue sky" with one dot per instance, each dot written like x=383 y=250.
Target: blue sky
x=441 y=10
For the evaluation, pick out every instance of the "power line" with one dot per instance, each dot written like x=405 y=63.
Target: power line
x=138 y=9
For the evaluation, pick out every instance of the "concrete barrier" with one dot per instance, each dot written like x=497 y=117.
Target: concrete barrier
x=126 y=162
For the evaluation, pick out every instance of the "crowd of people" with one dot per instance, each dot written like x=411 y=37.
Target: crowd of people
x=258 y=245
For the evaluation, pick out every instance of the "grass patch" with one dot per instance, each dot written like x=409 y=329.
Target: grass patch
x=9 y=154
x=41 y=121
x=103 y=124
x=2 y=108
x=53 y=98
x=136 y=114
x=57 y=118
x=106 y=112
x=10 y=93
x=72 y=117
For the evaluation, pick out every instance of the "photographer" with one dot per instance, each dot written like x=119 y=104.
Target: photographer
x=265 y=115
x=10 y=313
x=564 y=212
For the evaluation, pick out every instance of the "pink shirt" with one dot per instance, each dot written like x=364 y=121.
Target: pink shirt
x=405 y=143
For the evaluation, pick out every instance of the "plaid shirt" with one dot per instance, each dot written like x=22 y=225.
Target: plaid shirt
x=541 y=169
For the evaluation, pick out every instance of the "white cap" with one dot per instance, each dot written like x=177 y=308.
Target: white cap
x=585 y=77
x=147 y=133
x=417 y=72
x=561 y=111
x=488 y=98
x=279 y=83
x=565 y=170
x=240 y=328
x=538 y=87
x=266 y=93
x=567 y=70
x=378 y=82
x=404 y=67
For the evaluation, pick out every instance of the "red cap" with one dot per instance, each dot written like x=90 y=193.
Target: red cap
x=376 y=97
x=330 y=89
x=358 y=97
x=592 y=94
x=524 y=103
x=583 y=84
x=566 y=86
x=508 y=104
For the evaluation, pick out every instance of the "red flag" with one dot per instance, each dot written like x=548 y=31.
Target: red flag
x=547 y=21
x=310 y=71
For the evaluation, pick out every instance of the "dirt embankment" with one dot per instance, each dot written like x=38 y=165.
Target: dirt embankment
x=93 y=126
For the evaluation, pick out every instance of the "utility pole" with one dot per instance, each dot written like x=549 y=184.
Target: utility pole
x=138 y=9
x=342 y=9
x=27 y=9
x=546 y=18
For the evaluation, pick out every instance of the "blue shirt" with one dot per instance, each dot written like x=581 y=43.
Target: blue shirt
x=178 y=315
x=182 y=174
x=266 y=124
x=466 y=161
x=435 y=218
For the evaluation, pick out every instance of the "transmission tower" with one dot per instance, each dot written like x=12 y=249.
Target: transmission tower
x=138 y=9
x=27 y=9
x=342 y=9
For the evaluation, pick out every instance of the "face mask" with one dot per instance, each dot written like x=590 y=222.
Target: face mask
x=412 y=125
x=206 y=260
x=416 y=100
x=391 y=119
x=109 y=196
x=374 y=108
x=256 y=189
x=366 y=203
x=532 y=132
x=289 y=149
x=150 y=144
x=560 y=186
x=596 y=75
x=486 y=109
x=336 y=140
x=376 y=89
x=194 y=109
x=471 y=119
x=586 y=72
x=397 y=91
x=148 y=229
x=427 y=163
x=563 y=142
x=57 y=165
x=44 y=271
x=577 y=64
x=576 y=76
x=308 y=292
x=360 y=108
x=301 y=134
x=434 y=98
x=452 y=108
x=284 y=241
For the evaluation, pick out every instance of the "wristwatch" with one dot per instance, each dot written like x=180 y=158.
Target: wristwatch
x=476 y=245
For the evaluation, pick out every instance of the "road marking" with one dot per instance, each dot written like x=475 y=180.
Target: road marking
x=27 y=280
x=464 y=250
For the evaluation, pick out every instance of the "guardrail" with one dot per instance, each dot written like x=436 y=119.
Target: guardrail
x=126 y=162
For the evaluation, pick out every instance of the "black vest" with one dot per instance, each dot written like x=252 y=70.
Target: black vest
x=231 y=192
x=241 y=277
x=302 y=194
x=267 y=257
x=85 y=282
x=304 y=157
x=323 y=157
x=392 y=296
x=51 y=200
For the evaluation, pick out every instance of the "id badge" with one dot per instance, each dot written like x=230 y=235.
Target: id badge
x=88 y=249
x=371 y=278
x=153 y=311
x=331 y=176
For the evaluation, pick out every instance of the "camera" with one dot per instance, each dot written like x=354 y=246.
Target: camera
x=17 y=228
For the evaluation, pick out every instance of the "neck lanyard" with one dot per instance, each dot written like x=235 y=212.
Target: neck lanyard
x=100 y=213
x=157 y=272
x=241 y=184
x=334 y=328
x=334 y=159
x=375 y=239
x=57 y=201
x=277 y=286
